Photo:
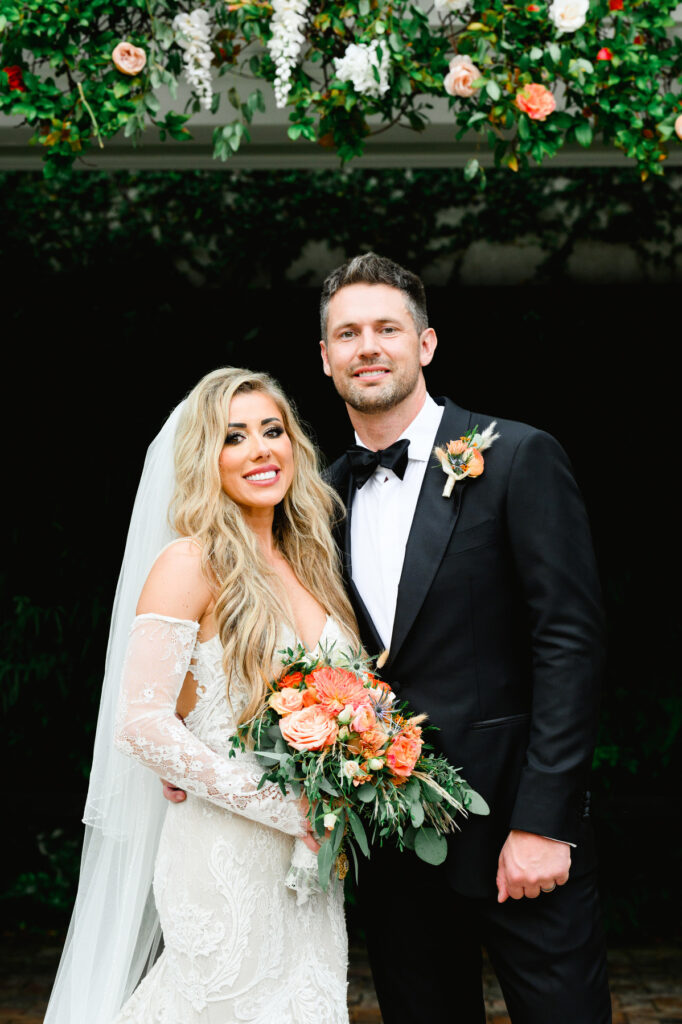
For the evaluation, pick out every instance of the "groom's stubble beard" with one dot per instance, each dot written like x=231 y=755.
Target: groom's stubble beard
x=381 y=398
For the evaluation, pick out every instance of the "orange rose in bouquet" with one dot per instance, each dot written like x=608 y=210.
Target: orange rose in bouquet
x=286 y=701
x=404 y=751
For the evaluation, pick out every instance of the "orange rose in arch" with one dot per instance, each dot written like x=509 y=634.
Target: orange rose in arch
x=536 y=101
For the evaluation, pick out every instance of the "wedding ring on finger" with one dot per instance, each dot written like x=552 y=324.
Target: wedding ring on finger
x=548 y=890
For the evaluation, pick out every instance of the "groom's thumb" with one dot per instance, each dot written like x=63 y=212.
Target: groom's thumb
x=502 y=892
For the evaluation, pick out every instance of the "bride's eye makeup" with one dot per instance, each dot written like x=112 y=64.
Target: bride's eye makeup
x=276 y=430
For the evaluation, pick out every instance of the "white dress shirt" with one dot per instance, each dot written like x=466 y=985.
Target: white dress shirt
x=381 y=518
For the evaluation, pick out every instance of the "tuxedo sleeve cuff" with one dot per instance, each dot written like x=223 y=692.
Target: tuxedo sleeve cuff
x=549 y=804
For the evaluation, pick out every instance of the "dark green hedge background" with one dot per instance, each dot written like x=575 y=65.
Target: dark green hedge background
x=122 y=290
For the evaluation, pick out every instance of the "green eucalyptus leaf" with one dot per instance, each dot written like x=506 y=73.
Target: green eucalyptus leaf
x=409 y=837
x=325 y=861
x=366 y=793
x=358 y=830
x=474 y=802
x=430 y=846
x=417 y=814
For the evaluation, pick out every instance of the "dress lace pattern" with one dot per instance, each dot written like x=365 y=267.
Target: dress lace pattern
x=237 y=947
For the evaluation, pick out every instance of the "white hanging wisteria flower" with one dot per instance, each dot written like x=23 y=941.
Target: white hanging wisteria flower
x=569 y=15
x=357 y=66
x=450 y=5
x=288 y=37
x=193 y=34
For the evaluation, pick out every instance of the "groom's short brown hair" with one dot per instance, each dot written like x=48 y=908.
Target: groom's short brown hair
x=372 y=269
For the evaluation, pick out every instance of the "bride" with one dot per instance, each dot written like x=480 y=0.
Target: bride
x=252 y=569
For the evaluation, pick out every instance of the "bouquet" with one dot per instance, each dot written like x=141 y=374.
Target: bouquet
x=332 y=729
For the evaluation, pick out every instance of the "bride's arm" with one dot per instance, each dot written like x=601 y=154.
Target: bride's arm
x=160 y=650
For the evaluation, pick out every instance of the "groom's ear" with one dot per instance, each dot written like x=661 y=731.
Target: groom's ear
x=427 y=346
x=325 y=360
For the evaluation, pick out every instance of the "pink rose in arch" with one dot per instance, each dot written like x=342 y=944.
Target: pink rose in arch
x=129 y=59
x=678 y=126
x=536 y=101
x=458 y=81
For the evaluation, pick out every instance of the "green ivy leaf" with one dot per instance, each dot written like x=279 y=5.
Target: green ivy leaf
x=583 y=133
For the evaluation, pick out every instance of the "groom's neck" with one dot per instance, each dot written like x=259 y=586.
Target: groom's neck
x=378 y=430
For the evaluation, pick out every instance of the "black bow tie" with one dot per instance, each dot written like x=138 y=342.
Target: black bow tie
x=363 y=462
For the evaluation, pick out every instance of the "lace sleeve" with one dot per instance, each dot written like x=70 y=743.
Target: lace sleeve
x=157 y=659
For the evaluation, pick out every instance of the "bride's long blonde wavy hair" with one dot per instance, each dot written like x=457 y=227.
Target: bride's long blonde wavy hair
x=247 y=611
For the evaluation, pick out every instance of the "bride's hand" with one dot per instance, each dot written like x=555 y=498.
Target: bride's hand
x=308 y=837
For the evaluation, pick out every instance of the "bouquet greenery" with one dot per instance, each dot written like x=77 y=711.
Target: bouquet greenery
x=333 y=728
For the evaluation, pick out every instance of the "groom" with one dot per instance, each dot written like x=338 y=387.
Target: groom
x=488 y=604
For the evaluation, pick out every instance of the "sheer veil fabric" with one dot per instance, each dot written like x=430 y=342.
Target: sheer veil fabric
x=114 y=932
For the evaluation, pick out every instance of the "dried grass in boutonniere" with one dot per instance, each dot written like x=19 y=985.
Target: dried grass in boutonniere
x=463 y=458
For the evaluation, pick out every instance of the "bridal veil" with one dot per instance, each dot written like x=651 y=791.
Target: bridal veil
x=114 y=932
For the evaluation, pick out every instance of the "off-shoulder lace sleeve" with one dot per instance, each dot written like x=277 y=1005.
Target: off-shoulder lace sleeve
x=157 y=659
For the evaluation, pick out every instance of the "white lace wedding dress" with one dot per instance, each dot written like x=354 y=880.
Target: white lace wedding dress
x=237 y=947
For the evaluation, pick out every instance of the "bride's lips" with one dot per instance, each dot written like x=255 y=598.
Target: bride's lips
x=264 y=476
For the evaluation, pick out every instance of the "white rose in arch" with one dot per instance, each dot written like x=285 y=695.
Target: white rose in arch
x=463 y=72
x=569 y=15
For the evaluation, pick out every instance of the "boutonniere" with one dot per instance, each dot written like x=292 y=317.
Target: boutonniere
x=463 y=458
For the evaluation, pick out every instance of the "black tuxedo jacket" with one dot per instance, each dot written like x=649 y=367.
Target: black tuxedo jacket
x=498 y=637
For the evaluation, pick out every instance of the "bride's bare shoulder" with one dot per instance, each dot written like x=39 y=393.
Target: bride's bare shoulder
x=176 y=584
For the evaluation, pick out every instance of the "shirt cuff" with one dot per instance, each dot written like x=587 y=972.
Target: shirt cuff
x=560 y=841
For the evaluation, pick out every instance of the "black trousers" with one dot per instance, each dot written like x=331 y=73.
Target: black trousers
x=424 y=942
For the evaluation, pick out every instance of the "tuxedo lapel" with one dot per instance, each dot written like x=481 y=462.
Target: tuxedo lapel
x=344 y=484
x=434 y=520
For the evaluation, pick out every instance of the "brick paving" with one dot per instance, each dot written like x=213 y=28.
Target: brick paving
x=646 y=983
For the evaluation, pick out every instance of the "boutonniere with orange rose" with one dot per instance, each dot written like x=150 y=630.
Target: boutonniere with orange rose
x=463 y=458
x=333 y=730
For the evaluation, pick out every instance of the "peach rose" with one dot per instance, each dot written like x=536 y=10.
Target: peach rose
x=364 y=719
x=457 y=447
x=404 y=751
x=678 y=126
x=536 y=101
x=337 y=687
x=291 y=679
x=462 y=73
x=286 y=702
x=475 y=464
x=309 y=729
x=129 y=59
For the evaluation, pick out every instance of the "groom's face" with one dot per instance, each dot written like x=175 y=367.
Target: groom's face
x=372 y=351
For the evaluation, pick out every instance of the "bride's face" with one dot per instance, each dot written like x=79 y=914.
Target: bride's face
x=257 y=460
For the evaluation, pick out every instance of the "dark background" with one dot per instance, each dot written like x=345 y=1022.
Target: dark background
x=109 y=319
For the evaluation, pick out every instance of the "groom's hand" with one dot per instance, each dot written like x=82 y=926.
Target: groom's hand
x=173 y=793
x=529 y=863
